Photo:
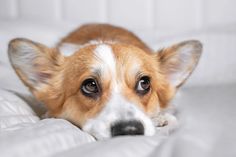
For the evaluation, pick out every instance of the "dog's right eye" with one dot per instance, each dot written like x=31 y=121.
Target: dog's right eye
x=90 y=88
x=143 y=85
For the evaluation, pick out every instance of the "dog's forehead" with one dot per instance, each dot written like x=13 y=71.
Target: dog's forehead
x=110 y=62
x=104 y=59
x=116 y=60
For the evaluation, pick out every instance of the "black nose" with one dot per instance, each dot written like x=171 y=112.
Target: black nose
x=127 y=128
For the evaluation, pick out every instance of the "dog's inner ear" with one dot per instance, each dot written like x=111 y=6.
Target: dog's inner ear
x=177 y=62
x=33 y=62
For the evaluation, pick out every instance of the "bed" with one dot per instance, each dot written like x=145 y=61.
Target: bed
x=205 y=108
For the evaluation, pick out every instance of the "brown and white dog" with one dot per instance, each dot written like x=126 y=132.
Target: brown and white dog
x=103 y=78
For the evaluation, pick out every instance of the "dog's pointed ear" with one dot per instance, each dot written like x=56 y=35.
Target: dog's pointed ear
x=34 y=63
x=178 y=61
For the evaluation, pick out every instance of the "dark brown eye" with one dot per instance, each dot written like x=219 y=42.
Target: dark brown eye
x=90 y=88
x=143 y=85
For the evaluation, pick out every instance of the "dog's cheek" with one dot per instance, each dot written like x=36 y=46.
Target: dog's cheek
x=79 y=110
x=152 y=104
x=70 y=110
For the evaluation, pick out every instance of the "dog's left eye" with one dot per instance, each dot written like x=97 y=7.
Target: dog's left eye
x=90 y=88
x=143 y=85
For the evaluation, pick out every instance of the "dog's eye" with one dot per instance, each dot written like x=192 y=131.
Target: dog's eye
x=90 y=88
x=143 y=85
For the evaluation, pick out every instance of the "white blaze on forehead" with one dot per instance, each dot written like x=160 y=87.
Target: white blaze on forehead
x=104 y=55
x=68 y=49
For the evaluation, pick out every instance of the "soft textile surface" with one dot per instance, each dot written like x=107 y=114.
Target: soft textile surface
x=22 y=133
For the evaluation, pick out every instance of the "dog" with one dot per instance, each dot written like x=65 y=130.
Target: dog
x=103 y=78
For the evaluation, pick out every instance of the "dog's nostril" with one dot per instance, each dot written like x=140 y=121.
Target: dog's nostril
x=127 y=128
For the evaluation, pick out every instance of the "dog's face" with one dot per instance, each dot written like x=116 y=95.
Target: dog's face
x=105 y=89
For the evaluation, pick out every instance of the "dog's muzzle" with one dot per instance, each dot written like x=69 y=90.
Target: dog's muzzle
x=133 y=127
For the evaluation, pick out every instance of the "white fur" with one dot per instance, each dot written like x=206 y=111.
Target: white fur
x=117 y=109
x=172 y=123
x=185 y=55
x=68 y=49
x=106 y=61
x=22 y=58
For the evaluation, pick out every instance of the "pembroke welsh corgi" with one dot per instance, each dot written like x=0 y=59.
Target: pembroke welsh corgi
x=103 y=78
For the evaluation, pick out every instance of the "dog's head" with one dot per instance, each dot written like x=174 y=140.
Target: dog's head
x=105 y=89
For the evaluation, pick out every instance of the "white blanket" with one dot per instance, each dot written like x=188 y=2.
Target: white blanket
x=207 y=128
x=22 y=133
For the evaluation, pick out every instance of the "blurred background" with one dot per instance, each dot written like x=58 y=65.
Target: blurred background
x=158 y=22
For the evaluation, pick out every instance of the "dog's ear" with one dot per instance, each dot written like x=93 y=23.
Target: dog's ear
x=178 y=61
x=34 y=63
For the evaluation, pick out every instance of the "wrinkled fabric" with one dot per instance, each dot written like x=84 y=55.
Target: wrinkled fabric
x=22 y=133
x=207 y=129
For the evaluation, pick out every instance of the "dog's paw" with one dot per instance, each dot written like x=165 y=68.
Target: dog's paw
x=165 y=123
x=45 y=115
